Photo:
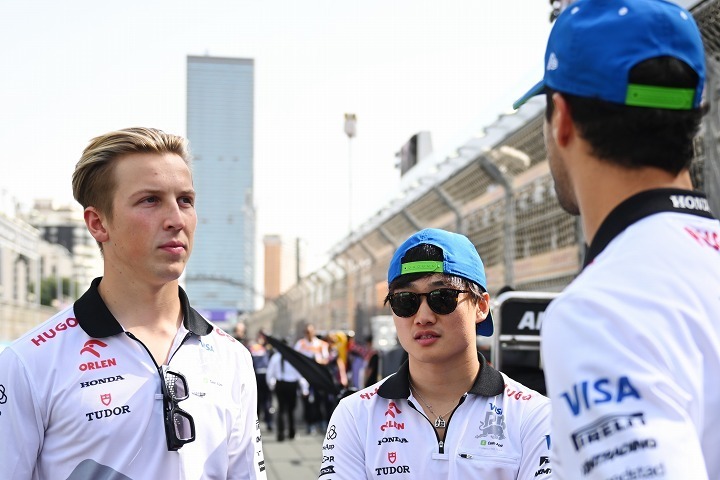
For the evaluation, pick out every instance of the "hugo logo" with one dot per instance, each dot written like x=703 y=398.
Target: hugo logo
x=50 y=333
x=90 y=347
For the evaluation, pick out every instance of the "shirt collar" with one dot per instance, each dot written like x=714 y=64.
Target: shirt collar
x=96 y=320
x=488 y=382
x=642 y=205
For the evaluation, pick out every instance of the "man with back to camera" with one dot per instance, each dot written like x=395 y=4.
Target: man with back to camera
x=131 y=382
x=632 y=347
x=446 y=413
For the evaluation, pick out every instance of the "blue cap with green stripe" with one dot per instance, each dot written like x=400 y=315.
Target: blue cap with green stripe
x=460 y=258
x=595 y=43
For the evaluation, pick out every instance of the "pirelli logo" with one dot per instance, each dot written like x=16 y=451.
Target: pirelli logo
x=605 y=427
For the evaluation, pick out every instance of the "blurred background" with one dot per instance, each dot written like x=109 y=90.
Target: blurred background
x=324 y=133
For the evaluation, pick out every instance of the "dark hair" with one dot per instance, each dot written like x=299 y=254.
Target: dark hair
x=425 y=251
x=634 y=137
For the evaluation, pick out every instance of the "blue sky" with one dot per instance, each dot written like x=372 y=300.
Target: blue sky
x=78 y=68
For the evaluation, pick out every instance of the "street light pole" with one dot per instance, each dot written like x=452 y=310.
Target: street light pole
x=350 y=131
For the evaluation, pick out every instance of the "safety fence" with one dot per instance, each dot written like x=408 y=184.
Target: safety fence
x=497 y=190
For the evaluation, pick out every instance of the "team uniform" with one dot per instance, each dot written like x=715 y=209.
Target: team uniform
x=631 y=349
x=82 y=400
x=499 y=429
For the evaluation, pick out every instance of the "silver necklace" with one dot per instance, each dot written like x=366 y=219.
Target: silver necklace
x=440 y=421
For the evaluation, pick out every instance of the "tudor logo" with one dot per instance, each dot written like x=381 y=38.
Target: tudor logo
x=106 y=398
x=90 y=347
x=392 y=457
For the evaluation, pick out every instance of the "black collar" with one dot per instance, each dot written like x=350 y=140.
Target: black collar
x=97 y=321
x=488 y=382
x=643 y=205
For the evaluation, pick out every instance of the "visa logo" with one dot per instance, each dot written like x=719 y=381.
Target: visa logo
x=586 y=394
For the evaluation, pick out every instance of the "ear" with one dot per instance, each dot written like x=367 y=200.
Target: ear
x=95 y=223
x=483 y=307
x=561 y=124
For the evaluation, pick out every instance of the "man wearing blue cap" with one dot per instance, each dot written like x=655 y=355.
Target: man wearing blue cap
x=445 y=413
x=631 y=348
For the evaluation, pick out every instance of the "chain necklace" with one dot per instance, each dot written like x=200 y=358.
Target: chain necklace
x=440 y=421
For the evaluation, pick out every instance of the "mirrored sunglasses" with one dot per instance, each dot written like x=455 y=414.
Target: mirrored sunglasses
x=179 y=425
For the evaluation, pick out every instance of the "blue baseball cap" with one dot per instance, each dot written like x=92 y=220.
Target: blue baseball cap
x=460 y=258
x=595 y=43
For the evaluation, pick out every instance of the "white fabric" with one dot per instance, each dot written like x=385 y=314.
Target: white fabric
x=283 y=371
x=60 y=419
x=504 y=437
x=631 y=352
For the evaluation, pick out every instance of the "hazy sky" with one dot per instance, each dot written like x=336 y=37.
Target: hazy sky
x=72 y=70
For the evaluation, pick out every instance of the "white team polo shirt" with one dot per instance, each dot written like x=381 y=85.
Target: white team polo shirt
x=81 y=400
x=499 y=430
x=631 y=348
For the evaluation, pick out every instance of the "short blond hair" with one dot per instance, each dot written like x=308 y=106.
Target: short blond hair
x=93 y=182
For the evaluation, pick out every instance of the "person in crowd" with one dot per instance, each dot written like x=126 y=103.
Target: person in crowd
x=391 y=359
x=445 y=413
x=364 y=369
x=372 y=367
x=240 y=332
x=317 y=349
x=631 y=348
x=261 y=353
x=337 y=359
x=285 y=381
x=130 y=381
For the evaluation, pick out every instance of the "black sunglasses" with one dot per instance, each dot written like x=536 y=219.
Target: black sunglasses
x=441 y=301
x=179 y=425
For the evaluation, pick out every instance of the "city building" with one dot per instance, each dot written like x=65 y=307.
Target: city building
x=283 y=265
x=21 y=264
x=220 y=276
x=63 y=225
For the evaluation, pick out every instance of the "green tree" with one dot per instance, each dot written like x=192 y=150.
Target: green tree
x=48 y=289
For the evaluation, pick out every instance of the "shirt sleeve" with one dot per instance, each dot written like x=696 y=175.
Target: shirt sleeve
x=272 y=371
x=535 y=439
x=21 y=425
x=245 y=445
x=620 y=408
x=343 y=452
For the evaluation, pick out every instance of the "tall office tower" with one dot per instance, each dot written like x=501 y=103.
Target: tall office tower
x=220 y=277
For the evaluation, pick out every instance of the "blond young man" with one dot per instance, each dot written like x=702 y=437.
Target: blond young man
x=131 y=381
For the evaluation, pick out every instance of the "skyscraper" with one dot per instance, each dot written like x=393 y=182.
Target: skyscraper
x=220 y=276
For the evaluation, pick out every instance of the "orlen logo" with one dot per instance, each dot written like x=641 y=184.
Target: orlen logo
x=391 y=412
x=45 y=336
x=89 y=347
